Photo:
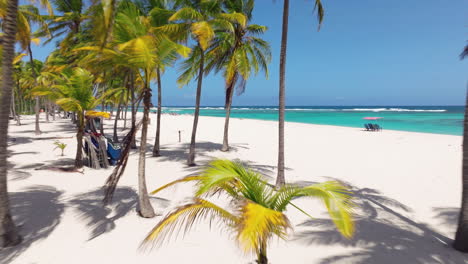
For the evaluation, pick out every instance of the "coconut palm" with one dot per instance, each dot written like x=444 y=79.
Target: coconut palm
x=280 y=180
x=238 y=53
x=75 y=93
x=9 y=235
x=135 y=46
x=200 y=19
x=159 y=12
x=28 y=15
x=257 y=210
x=68 y=23
x=461 y=236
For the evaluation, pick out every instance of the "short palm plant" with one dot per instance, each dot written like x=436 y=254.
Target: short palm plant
x=60 y=145
x=257 y=210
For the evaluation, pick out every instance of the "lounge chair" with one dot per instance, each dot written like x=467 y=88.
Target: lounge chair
x=377 y=127
x=366 y=126
x=371 y=127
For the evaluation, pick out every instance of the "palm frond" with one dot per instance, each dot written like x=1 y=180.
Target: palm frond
x=185 y=217
x=257 y=224
x=338 y=201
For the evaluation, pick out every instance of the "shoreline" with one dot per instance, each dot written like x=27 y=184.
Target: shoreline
x=326 y=125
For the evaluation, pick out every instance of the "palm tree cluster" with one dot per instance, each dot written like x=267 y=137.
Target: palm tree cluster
x=108 y=53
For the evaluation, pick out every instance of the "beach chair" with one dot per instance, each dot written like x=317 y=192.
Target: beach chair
x=366 y=126
x=377 y=127
x=371 y=127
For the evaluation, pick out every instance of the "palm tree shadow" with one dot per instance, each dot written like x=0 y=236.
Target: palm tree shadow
x=101 y=218
x=179 y=152
x=448 y=216
x=37 y=212
x=383 y=235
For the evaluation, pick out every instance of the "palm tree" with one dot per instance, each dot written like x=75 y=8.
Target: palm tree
x=461 y=236
x=75 y=93
x=159 y=12
x=135 y=46
x=8 y=233
x=280 y=180
x=257 y=212
x=26 y=17
x=237 y=53
x=200 y=19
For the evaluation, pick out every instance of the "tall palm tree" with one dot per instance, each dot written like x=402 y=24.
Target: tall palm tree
x=159 y=12
x=27 y=16
x=461 y=236
x=280 y=180
x=257 y=208
x=9 y=235
x=200 y=19
x=135 y=46
x=238 y=53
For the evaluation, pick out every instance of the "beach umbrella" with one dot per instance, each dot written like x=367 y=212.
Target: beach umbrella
x=372 y=118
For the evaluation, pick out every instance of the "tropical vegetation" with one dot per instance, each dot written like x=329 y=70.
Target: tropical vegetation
x=257 y=210
x=109 y=53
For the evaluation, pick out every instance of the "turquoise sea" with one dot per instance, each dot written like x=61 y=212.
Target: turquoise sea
x=427 y=119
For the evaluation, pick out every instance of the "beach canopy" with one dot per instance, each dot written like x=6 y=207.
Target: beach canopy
x=372 y=118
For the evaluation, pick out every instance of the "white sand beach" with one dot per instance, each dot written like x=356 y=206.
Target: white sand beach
x=407 y=187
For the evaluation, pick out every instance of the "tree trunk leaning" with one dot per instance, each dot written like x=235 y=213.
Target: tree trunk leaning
x=191 y=156
x=280 y=179
x=9 y=235
x=115 y=138
x=461 y=236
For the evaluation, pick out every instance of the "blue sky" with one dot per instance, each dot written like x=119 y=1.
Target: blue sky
x=368 y=52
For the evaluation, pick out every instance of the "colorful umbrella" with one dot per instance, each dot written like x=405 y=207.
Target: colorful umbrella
x=372 y=118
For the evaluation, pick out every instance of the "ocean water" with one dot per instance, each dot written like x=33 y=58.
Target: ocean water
x=426 y=119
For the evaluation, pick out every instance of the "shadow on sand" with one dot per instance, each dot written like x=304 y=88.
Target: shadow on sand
x=179 y=152
x=100 y=218
x=36 y=211
x=383 y=235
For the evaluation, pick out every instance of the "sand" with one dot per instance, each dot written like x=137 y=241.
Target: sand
x=407 y=185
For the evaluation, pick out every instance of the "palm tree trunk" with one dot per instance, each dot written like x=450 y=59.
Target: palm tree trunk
x=191 y=156
x=37 y=130
x=125 y=116
x=284 y=42
x=156 y=152
x=262 y=255
x=79 y=139
x=46 y=106
x=461 y=237
x=230 y=92
x=8 y=232
x=15 y=113
x=145 y=209
x=115 y=138
x=53 y=110
x=132 y=94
